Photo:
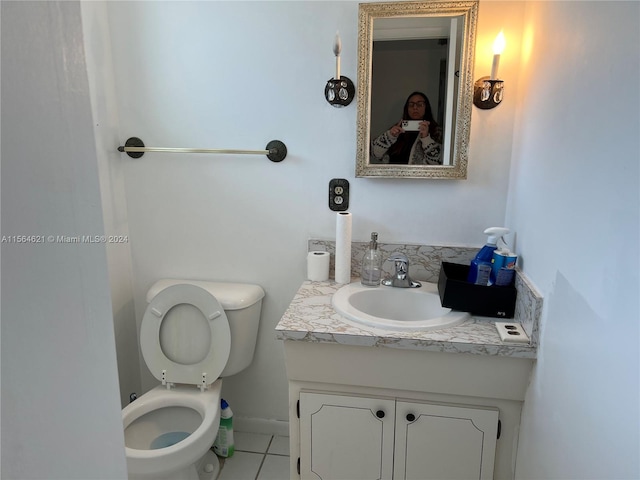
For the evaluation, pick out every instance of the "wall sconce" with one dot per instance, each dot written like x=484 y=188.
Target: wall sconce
x=339 y=90
x=488 y=91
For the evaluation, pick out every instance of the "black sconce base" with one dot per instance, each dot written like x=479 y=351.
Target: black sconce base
x=339 y=93
x=488 y=93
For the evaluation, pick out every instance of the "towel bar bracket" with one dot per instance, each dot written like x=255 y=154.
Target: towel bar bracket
x=277 y=151
x=132 y=142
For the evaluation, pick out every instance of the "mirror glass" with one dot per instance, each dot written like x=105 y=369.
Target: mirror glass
x=415 y=88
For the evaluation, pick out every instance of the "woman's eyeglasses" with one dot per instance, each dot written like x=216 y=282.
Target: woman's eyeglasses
x=416 y=104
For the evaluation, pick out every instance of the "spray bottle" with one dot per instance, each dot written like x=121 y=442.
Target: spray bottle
x=480 y=268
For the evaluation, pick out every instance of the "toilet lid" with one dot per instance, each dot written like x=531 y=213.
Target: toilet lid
x=185 y=336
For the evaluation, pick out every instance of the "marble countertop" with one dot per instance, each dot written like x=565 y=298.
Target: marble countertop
x=311 y=318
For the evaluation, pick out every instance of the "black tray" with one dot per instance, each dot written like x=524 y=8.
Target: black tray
x=458 y=294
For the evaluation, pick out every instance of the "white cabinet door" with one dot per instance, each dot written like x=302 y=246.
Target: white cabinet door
x=444 y=442
x=345 y=437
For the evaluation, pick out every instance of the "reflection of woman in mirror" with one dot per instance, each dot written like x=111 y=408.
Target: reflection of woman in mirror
x=400 y=146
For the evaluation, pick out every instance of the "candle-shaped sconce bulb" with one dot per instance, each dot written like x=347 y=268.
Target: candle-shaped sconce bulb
x=498 y=47
x=337 y=45
x=337 y=48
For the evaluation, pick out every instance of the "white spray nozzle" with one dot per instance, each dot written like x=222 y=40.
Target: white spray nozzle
x=495 y=234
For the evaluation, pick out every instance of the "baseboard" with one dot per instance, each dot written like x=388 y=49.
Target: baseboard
x=261 y=425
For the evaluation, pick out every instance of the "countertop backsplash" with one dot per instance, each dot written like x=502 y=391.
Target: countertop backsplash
x=424 y=265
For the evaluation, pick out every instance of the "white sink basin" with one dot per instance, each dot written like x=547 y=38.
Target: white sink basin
x=392 y=308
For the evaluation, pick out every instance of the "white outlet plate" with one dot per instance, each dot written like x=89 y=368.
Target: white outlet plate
x=511 y=332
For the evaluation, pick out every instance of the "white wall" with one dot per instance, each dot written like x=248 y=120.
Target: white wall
x=60 y=407
x=237 y=75
x=574 y=201
x=114 y=199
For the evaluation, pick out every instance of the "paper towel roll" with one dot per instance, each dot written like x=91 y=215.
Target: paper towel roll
x=343 y=247
x=318 y=266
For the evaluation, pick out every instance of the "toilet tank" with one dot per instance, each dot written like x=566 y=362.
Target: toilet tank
x=242 y=303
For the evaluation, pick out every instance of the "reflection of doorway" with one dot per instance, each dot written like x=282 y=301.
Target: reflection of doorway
x=442 y=92
x=400 y=67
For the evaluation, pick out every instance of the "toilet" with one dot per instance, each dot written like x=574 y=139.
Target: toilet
x=193 y=333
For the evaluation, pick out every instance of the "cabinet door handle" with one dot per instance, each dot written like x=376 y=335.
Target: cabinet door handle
x=410 y=417
x=380 y=414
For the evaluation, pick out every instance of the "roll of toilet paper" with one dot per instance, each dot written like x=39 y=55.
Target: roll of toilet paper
x=343 y=247
x=318 y=266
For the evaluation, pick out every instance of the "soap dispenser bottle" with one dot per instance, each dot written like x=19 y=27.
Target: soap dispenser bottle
x=372 y=264
x=480 y=268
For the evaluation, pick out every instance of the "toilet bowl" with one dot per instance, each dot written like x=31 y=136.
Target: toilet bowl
x=192 y=334
x=166 y=432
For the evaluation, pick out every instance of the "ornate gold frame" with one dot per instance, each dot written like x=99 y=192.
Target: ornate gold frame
x=366 y=15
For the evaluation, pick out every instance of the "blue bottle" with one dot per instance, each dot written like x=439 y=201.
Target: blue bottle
x=480 y=268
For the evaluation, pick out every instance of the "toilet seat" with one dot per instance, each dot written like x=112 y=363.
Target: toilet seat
x=185 y=336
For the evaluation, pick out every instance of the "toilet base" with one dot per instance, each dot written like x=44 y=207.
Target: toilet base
x=208 y=462
x=207 y=468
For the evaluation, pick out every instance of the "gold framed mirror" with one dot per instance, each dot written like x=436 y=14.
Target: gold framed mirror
x=415 y=62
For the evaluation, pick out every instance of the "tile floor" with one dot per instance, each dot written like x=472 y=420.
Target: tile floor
x=257 y=457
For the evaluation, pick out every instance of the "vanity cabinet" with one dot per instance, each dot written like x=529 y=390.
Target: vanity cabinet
x=352 y=387
x=348 y=407
x=361 y=437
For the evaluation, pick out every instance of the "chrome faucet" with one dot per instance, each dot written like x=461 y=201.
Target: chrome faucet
x=401 y=278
